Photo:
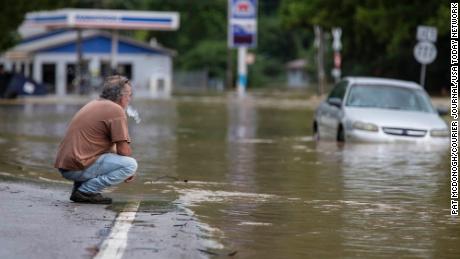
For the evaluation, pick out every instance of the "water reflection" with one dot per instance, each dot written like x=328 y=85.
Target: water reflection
x=31 y=133
x=242 y=127
x=391 y=198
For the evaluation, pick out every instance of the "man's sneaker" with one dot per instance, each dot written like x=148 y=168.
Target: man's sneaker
x=95 y=198
x=76 y=185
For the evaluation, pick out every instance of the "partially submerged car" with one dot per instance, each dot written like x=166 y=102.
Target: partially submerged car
x=370 y=109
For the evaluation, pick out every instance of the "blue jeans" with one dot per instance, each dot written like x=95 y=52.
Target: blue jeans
x=109 y=169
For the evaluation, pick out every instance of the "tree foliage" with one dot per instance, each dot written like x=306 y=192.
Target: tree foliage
x=12 y=14
x=378 y=36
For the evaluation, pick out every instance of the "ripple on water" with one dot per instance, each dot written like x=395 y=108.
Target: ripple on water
x=192 y=197
x=247 y=223
x=255 y=141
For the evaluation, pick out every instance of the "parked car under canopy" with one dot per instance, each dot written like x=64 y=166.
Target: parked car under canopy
x=13 y=85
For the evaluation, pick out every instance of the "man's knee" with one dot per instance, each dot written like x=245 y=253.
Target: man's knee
x=130 y=164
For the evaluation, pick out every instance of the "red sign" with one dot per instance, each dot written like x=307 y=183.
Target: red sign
x=243 y=7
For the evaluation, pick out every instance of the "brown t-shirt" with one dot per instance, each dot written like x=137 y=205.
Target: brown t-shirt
x=92 y=132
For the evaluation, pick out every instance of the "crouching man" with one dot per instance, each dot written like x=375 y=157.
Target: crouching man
x=95 y=152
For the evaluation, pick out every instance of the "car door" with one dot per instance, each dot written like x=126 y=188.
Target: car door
x=330 y=111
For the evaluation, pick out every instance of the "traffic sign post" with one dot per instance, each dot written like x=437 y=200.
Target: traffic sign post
x=337 y=46
x=425 y=51
x=242 y=34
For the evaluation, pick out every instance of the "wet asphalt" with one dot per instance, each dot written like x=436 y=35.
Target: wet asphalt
x=38 y=221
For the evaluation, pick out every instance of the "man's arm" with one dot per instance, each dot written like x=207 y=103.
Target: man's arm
x=123 y=148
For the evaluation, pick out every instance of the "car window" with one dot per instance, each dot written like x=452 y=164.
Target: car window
x=389 y=97
x=339 y=90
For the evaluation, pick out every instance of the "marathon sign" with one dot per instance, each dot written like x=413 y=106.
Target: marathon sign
x=243 y=9
x=123 y=21
x=104 y=19
x=242 y=29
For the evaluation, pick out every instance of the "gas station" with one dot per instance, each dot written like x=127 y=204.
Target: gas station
x=68 y=49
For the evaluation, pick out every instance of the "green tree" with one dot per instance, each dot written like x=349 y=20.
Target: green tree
x=208 y=54
x=12 y=15
x=378 y=36
x=200 y=21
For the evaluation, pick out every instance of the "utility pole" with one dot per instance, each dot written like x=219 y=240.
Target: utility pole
x=319 y=44
x=242 y=71
x=337 y=46
x=229 y=71
x=114 y=52
x=79 y=66
x=242 y=34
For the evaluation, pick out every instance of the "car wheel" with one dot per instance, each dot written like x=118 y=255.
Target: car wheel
x=341 y=134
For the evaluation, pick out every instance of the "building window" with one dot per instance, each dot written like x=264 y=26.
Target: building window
x=122 y=69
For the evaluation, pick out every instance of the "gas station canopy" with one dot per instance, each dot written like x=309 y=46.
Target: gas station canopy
x=103 y=19
x=82 y=19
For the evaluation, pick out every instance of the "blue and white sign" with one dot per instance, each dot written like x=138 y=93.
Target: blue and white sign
x=104 y=19
x=242 y=25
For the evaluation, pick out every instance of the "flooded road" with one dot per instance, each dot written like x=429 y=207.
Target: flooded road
x=248 y=177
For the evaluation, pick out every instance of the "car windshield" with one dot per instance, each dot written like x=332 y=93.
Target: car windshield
x=389 y=97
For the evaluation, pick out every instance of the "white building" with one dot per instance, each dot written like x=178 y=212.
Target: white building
x=297 y=74
x=50 y=58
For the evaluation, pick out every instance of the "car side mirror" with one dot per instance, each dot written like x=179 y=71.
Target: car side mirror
x=334 y=101
x=442 y=111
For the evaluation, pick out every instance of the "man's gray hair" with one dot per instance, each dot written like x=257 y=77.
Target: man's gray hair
x=113 y=87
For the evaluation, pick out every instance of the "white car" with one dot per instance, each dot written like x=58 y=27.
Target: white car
x=370 y=109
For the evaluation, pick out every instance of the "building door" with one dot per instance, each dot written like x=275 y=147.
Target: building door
x=49 y=77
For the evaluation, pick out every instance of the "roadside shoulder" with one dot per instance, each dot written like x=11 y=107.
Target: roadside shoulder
x=38 y=221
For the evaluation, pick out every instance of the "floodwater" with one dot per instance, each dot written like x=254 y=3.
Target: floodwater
x=249 y=178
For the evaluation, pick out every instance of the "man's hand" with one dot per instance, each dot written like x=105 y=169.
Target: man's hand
x=130 y=179
x=123 y=148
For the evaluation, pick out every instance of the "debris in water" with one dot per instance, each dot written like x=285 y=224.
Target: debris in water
x=170 y=177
